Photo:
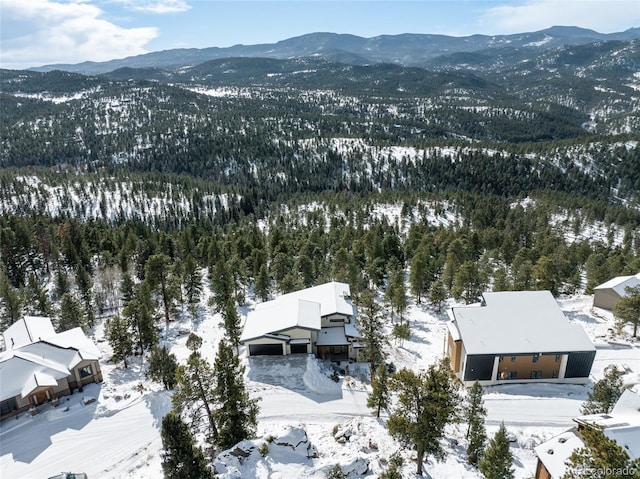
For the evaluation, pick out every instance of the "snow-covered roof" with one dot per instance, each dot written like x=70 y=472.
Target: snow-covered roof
x=619 y=283
x=17 y=373
x=281 y=315
x=622 y=425
x=38 y=356
x=555 y=452
x=332 y=337
x=333 y=297
x=511 y=322
x=76 y=339
x=27 y=330
x=351 y=330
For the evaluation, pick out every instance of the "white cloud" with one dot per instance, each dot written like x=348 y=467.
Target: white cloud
x=604 y=16
x=155 y=6
x=37 y=32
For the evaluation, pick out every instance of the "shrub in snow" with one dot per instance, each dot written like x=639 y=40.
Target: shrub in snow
x=264 y=449
x=336 y=473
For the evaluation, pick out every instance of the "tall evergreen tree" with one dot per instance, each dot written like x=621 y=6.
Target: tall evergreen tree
x=605 y=393
x=138 y=312
x=159 y=276
x=70 y=315
x=262 y=283
x=119 y=338
x=371 y=329
x=426 y=403
x=497 y=460
x=192 y=281
x=163 y=367
x=627 y=311
x=181 y=458
x=378 y=398
x=236 y=416
x=10 y=301
x=194 y=392
x=474 y=414
x=437 y=295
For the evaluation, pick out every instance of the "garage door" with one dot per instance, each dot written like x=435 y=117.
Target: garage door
x=298 y=349
x=265 y=349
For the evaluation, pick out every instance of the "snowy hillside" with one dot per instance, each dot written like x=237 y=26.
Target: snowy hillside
x=308 y=422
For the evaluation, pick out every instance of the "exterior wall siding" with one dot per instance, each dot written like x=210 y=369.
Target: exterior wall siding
x=605 y=299
x=522 y=366
x=579 y=364
x=478 y=367
x=333 y=320
x=453 y=351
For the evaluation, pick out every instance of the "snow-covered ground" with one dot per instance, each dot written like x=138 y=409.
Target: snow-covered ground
x=118 y=435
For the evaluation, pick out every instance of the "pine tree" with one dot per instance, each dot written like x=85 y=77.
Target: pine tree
x=378 y=398
x=192 y=281
x=426 y=403
x=10 y=301
x=371 y=327
x=139 y=314
x=70 y=315
x=393 y=472
x=474 y=414
x=417 y=275
x=159 y=276
x=119 y=338
x=231 y=322
x=262 y=283
x=605 y=392
x=600 y=454
x=163 y=367
x=236 y=417
x=181 y=458
x=497 y=460
x=194 y=391
x=401 y=332
x=627 y=311
x=437 y=295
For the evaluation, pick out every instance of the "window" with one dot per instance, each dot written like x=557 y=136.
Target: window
x=554 y=374
x=536 y=358
x=513 y=359
x=535 y=375
x=558 y=357
x=512 y=375
x=339 y=320
x=501 y=358
x=85 y=371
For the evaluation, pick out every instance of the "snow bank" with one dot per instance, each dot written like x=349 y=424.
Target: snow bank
x=316 y=379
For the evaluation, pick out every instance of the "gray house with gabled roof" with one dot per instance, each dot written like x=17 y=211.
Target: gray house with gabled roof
x=517 y=336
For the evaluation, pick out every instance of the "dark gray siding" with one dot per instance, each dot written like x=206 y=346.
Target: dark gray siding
x=479 y=367
x=579 y=364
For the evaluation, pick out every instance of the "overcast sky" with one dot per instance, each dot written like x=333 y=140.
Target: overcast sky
x=39 y=32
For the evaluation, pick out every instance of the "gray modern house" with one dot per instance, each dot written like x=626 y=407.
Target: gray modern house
x=517 y=336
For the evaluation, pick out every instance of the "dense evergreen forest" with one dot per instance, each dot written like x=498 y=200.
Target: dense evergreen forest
x=270 y=175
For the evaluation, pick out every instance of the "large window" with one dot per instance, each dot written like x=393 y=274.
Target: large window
x=85 y=372
x=535 y=375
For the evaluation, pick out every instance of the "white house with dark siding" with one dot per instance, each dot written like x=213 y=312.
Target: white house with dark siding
x=320 y=320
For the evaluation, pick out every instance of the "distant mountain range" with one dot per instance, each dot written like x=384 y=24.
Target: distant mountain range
x=419 y=50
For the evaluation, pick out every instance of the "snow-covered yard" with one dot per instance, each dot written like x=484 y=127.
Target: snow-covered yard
x=118 y=435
